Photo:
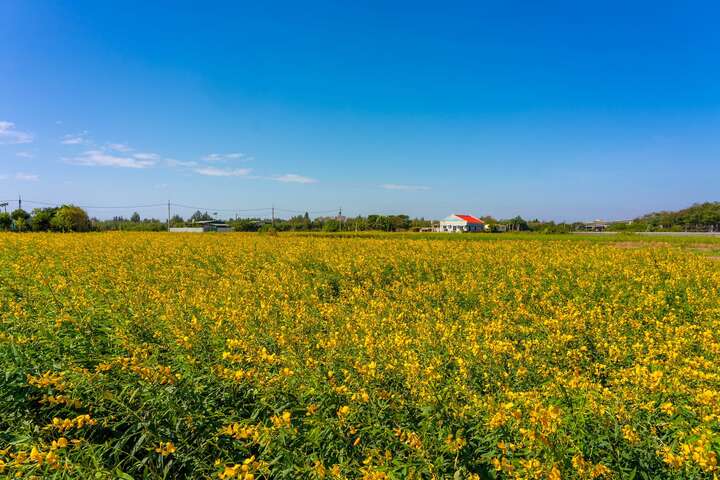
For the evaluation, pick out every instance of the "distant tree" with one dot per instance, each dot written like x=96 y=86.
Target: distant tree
x=41 y=219
x=399 y=222
x=19 y=214
x=378 y=222
x=21 y=224
x=176 y=221
x=6 y=221
x=517 y=224
x=70 y=218
x=246 y=224
x=20 y=219
x=331 y=226
x=135 y=218
x=199 y=216
x=700 y=217
x=359 y=223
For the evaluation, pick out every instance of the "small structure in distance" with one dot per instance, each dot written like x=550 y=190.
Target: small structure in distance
x=457 y=223
x=203 y=226
x=601 y=225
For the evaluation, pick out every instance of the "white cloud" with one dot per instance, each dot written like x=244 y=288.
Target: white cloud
x=99 y=158
x=23 y=177
x=407 y=188
x=223 y=172
x=146 y=156
x=222 y=157
x=24 y=154
x=10 y=136
x=294 y=178
x=75 y=139
x=27 y=177
x=171 y=162
x=120 y=147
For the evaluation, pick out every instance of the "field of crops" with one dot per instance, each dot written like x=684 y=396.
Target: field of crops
x=252 y=356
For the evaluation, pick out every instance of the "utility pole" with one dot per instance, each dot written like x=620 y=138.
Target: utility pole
x=273 y=216
x=19 y=202
x=340 y=218
x=168 y=222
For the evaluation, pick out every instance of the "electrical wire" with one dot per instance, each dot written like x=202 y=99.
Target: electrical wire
x=37 y=202
x=176 y=205
x=220 y=209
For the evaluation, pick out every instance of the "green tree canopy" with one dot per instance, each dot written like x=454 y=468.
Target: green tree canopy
x=5 y=221
x=70 y=218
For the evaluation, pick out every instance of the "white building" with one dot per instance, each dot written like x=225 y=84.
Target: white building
x=461 y=223
x=204 y=226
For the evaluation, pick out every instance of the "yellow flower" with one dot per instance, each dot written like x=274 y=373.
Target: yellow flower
x=165 y=448
x=554 y=473
x=629 y=434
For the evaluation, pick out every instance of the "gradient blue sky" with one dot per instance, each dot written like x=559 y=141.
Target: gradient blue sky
x=558 y=110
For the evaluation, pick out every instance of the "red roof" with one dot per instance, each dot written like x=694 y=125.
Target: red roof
x=470 y=219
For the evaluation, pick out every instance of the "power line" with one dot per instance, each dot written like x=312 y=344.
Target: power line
x=221 y=209
x=53 y=204
x=270 y=209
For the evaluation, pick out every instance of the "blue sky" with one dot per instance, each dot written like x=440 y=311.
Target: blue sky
x=558 y=110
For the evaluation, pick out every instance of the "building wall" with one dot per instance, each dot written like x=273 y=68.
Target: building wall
x=458 y=226
x=186 y=230
x=452 y=226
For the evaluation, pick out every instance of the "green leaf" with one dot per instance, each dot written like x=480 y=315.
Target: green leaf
x=122 y=475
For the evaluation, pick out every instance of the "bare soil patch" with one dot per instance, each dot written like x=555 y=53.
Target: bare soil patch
x=704 y=247
x=639 y=244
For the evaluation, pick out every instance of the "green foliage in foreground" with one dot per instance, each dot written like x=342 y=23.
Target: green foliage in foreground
x=140 y=355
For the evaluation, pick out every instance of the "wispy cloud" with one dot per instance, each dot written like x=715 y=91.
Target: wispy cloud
x=294 y=178
x=99 y=158
x=222 y=157
x=9 y=135
x=75 y=139
x=119 y=147
x=24 y=154
x=23 y=177
x=171 y=162
x=146 y=156
x=407 y=188
x=223 y=172
x=26 y=177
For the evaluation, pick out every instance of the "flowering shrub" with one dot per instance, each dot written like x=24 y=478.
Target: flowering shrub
x=240 y=356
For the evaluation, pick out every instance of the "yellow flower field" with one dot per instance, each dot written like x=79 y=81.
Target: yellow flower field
x=252 y=357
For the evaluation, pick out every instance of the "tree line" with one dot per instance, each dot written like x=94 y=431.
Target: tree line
x=71 y=218
x=700 y=217
x=66 y=218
